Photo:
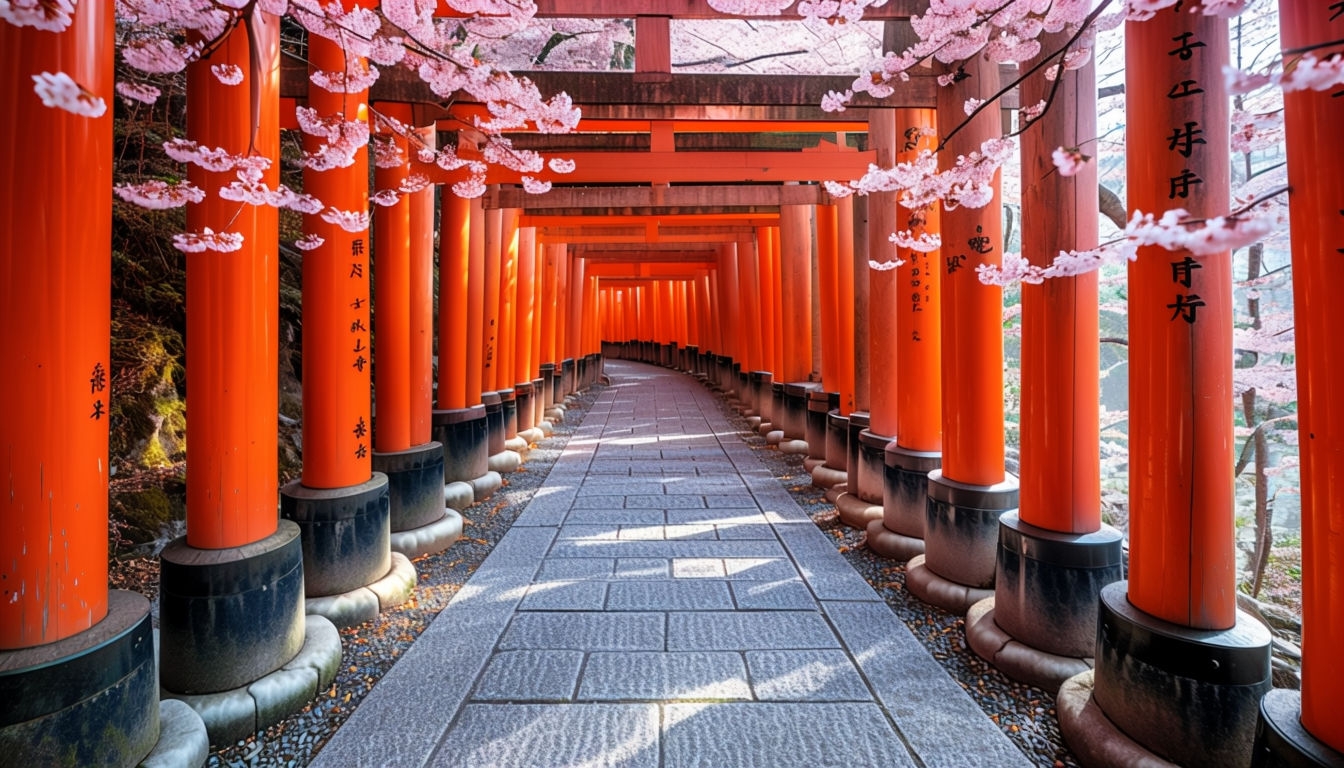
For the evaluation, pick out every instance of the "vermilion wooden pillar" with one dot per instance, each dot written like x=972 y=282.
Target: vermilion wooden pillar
x=508 y=299
x=490 y=341
x=454 y=293
x=827 y=274
x=1315 y=165
x=835 y=469
x=57 y=227
x=392 y=289
x=1180 y=600
x=768 y=277
x=971 y=491
x=1054 y=559
x=422 y=304
x=477 y=285
x=525 y=367
x=57 y=617
x=917 y=345
x=337 y=366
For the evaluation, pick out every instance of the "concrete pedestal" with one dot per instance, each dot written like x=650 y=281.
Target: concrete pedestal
x=1184 y=695
x=89 y=699
x=1282 y=742
x=567 y=380
x=758 y=386
x=465 y=435
x=819 y=403
x=528 y=431
x=418 y=510
x=899 y=534
x=858 y=422
x=834 y=469
x=961 y=532
x=547 y=389
x=863 y=503
x=508 y=401
x=794 y=439
x=347 y=550
x=772 y=420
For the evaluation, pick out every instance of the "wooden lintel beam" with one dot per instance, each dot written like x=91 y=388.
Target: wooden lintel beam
x=637 y=236
x=621 y=221
x=621 y=199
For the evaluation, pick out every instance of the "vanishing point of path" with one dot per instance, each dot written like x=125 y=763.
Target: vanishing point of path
x=664 y=602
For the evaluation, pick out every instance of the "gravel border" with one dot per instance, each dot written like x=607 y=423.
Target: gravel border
x=1025 y=714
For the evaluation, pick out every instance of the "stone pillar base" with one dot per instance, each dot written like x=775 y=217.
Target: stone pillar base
x=344 y=532
x=795 y=411
x=819 y=404
x=835 y=469
x=484 y=487
x=1188 y=696
x=183 y=739
x=88 y=699
x=431 y=538
x=951 y=596
x=240 y=712
x=1092 y=737
x=905 y=497
x=228 y=617
x=885 y=542
x=517 y=444
x=494 y=422
x=363 y=603
x=772 y=417
x=527 y=412
x=961 y=533
x=1282 y=742
x=465 y=436
x=858 y=422
x=855 y=512
x=415 y=485
x=505 y=461
x=508 y=403
x=824 y=476
x=1017 y=660
x=834 y=493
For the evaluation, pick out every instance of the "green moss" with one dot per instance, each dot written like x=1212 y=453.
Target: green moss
x=146 y=512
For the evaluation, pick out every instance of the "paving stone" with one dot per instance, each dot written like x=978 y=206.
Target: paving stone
x=817 y=675
x=830 y=577
x=759 y=569
x=748 y=630
x=615 y=517
x=565 y=596
x=790 y=594
x=680 y=595
x=574 y=568
x=660 y=676
x=715 y=516
x=690 y=532
x=698 y=568
x=641 y=533
x=729 y=500
x=938 y=719
x=769 y=735
x=663 y=501
x=585 y=631
x=530 y=675
x=642 y=568
x=756 y=529
x=587 y=532
x=532 y=735
x=595 y=498
x=711 y=548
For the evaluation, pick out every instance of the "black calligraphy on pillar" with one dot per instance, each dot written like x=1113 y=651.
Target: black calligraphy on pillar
x=1183 y=140
x=356 y=269
x=1181 y=270
x=1187 y=47
x=1186 y=140
x=1183 y=89
x=911 y=139
x=361 y=428
x=98 y=383
x=1338 y=9
x=980 y=243
x=955 y=262
x=1185 y=306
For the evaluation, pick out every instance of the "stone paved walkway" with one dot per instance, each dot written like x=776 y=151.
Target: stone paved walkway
x=664 y=602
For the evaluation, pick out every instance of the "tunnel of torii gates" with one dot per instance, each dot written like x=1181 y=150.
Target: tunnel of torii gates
x=678 y=242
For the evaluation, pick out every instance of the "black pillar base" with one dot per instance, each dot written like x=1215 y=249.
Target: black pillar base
x=228 y=617
x=414 y=485
x=345 y=533
x=862 y=502
x=772 y=418
x=465 y=435
x=819 y=403
x=509 y=407
x=794 y=439
x=494 y=414
x=905 y=495
x=89 y=699
x=835 y=469
x=568 y=384
x=1282 y=742
x=1189 y=696
x=547 y=389
x=758 y=393
x=858 y=423
x=526 y=413
x=961 y=531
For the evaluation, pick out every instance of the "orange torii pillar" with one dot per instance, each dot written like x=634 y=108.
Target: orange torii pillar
x=795 y=327
x=526 y=385
x=340 y=504
x=501 y=459
x=77 y=663
x=834 y=469
x=549 y=277
x=917 y=449
x=824 y=398
x=592 y=336
x=1179 y=673
x=508 y=323
x=539 y=381
x=972 y=489
x=750 y=332
x=403 y=299
x=732 y=356
x=237 y=563
x=574 y=363
x=460 y=421
x=863 y=500
x=852 y=415
x=1055 y=555
x=772 y=415
x=1292 y=726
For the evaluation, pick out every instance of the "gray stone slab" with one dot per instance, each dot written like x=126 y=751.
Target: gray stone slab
x=729 y=500
x=770 y=735
x=599 y=497
x=535 y=735
x=672 y=595
x=615 y=517
x=759 y=569
x=737 y=548
x=791 y=594
x=565 y=596
x=698 y=568
x=940 y=722
x=530 y=676
x=661 y=676
x=817 y=675
x=587 y=531
x=585 y=632
x=748 y=630
x=642 y=568
x=829 y=575
x=744 y=530
x=717 y=516
x=664 y=501
x=575 y=568
x=641 y=533
x=691 y=532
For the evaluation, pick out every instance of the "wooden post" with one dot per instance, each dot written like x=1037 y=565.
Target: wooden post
x=795 y=246
x=422 y=305
x=844 y=228
x=494 y=260
x=827 y=271
x=525 y=305
x=882 y=289
x=392 y=289
x=455 y=290
x=475 y=288
x=508 y=299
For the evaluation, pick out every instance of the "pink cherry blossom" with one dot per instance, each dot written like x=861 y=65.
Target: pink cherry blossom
x=885 y=266
x=158 y=56
x=413 y=183
x=228 y=74
x=159 y=195
x=385 y=197
x=208 y=240
x=187 y=151
x=925 y=242
x=834 y=101
x=46 y=15
x=535 y=186
x=560 y=165
x=1069 y=160
x=141 y=92
x=350 y=221
x=58 y=90
x=309 y=242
